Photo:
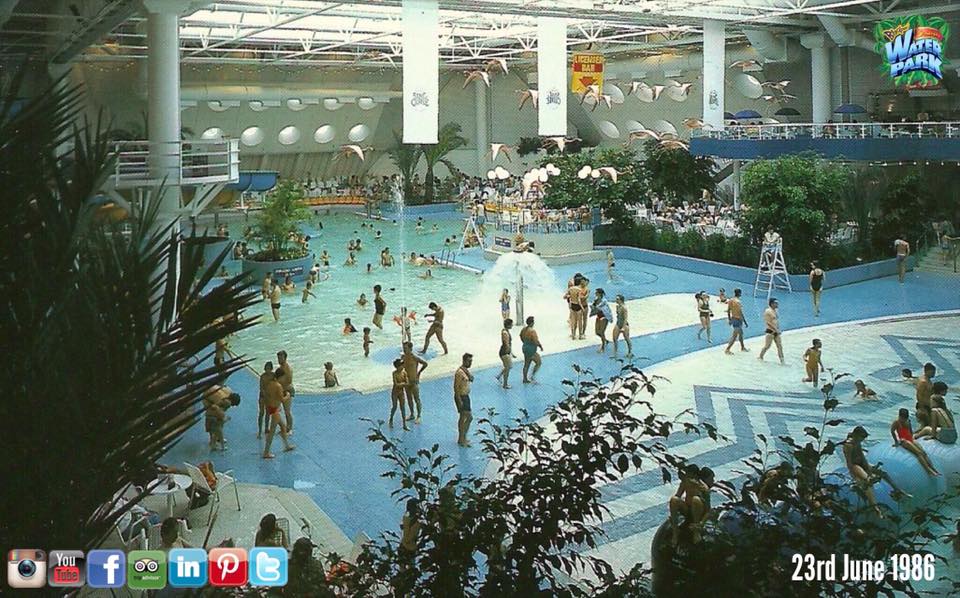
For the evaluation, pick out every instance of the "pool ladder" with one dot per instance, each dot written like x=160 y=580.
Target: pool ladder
x=448 y=257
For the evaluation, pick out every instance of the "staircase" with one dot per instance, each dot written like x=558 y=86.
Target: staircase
x=939 y=261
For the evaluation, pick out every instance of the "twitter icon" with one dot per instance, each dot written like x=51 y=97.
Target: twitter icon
x=268 y=567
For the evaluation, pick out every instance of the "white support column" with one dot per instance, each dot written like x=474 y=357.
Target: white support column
x=714 y=72
x=819 y=46
x=483 y=138
x=736 y=185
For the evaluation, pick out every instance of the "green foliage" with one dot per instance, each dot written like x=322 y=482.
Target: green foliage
x=405 y=157
x=283 y=211
x=532 y=521
x=676 y=175
x=107 y=350
x=528 y=145
x=798 y=196
x=690 y=243
x=861 y=198
x=713 y=247
x=902 y=213
x=566 y=190
x=448 y=139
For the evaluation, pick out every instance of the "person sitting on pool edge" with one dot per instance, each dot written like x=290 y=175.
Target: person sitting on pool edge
x=690 y=502
x=329 y=376
x=863 y=474
x=942 y=426
x=902 y=434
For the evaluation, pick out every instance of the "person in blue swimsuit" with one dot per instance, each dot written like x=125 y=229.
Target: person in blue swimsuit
x=530 y=344
x=505 y=305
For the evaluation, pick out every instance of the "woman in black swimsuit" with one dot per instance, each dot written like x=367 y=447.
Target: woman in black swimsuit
x=506 y=353
x=816 y=286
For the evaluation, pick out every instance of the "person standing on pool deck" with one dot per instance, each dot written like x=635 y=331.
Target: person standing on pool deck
x=436 y=328
x=584 y=296
x=771 y=320
x=286 y=381
x=273 y=399
x=275 y=295
x=816 y=286
x=902 y=249
x=812 y=358
x=263 y=418
x=622 y=327
x=396 y=393
x=414 y=366
x=379 y=307
x=506 y=353
x=703 y=310
x=505 y=305
x=530 y=342
x=572 y=296
x=924 y=385
x=602 y=311
x=461 y=398
x=736 y=320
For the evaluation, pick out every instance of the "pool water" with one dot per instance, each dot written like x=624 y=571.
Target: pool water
x=312 y=332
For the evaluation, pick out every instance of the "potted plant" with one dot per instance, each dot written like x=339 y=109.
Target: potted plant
x=276 y=225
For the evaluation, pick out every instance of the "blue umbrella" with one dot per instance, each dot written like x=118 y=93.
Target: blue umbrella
x=850 y=109
x=747 y=114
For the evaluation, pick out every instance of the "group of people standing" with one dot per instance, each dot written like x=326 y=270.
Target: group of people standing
x=577 y=297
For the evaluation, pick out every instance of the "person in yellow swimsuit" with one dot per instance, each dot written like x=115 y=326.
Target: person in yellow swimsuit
x=812 y=358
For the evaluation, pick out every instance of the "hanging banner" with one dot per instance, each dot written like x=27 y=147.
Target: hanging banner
x=552 y=77
x=587 y=71
x=913 y=49
x=421 y=70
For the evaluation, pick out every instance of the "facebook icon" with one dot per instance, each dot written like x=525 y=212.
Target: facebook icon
x=187 y=567
x=106 y=569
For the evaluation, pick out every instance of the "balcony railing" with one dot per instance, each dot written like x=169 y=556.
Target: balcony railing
x=921 y=130
x=181 y=163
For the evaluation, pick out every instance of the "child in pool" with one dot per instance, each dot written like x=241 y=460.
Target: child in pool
x=864 y=391
x=435 y=229
x=348 y=327
x=812 y=358
x=288 y=285
x=330 y=376
x=307 y=292
x=366 y=342
x=369 y=268
x=351 y=260
x=362 y=301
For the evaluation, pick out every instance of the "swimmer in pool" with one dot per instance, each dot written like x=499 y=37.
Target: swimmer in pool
x=362 y=301
x=288 y=285
x=811 y=358
x=413 y=257
x=350 y=245
x=864 y=391
x=426 y=275
x=369 y=268
x=348 y=327
x=530 y=343
x=435 y=229
x=378 y=235
x=330 y=379
x=610 y=266
x=351 y=260
x=419 y=227
x=358 y=246
x=366 y=341
x=307 y=292
x=265 y=287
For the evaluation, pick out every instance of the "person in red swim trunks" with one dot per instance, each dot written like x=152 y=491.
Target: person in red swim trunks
x=274 y=395
x=902 y=434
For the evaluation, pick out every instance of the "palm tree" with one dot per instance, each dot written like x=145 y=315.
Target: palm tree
x=405 y=157
x=106 y=347
x=448 y=139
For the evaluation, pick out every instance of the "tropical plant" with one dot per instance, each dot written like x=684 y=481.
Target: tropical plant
x=798 y=196
x=106 y=346
x=448 y=139
x=283 y=211
x=523 y=530
x=405 y=157
x=861 y=198
x=676 y=175
x=528 y=145
x=568 y=190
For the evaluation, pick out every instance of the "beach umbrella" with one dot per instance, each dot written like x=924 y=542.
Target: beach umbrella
x=787 y=112
x=746 y=114
x=850 y=109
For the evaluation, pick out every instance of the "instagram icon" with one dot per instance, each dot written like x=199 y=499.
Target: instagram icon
x=228 y=567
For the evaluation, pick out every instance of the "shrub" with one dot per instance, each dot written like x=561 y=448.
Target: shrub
x=714 y=246
x=645 y=235
x=668 y=241
x=691 y=244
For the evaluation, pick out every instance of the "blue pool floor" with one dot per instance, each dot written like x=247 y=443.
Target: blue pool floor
x=340 y=469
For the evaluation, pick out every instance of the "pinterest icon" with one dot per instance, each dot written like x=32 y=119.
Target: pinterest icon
x=228 y=567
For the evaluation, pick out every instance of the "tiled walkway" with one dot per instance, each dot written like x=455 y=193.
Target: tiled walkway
x=340 y=469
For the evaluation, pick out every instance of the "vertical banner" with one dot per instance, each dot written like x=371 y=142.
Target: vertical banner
x=421 y=71
x=714 y=73
x=552 y=76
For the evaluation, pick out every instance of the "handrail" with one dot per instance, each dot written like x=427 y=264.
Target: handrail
x=179 y=162
x=926 y=129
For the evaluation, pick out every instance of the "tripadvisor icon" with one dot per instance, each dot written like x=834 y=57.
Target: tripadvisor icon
x=913 y=49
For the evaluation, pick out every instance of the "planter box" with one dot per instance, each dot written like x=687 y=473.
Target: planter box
x=747 y=276
x=298 y=269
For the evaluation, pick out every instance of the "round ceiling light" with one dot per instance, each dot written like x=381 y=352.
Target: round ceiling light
x=324 y=134
x=332 y=104
x=366 y=103
x=288 y=135
x=251 y=136
x=358 y=133
x=212 y=133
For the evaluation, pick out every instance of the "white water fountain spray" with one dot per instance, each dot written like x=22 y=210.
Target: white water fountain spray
x=398 y=200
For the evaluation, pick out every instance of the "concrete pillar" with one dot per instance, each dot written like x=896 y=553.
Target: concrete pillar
x=714 y=72
x=821 y=76
x=736 y=184
x=483 y=137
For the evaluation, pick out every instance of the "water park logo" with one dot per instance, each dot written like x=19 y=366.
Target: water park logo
x=913 y=49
